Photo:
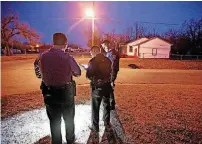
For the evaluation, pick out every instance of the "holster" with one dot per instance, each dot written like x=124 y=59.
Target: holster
x=74 y=87
x=58 y=95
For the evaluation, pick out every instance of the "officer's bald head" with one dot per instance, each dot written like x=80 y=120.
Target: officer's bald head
x=95 y=50
x=59 y=39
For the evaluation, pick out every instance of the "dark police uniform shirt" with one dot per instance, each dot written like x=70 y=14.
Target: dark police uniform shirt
x=113 y=55
x=56 y=67
x=99 y=70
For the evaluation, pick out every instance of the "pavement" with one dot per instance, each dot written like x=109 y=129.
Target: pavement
x=19 y=77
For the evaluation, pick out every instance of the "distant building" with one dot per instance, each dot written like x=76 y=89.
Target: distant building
x=43 y=48
x=149 y=48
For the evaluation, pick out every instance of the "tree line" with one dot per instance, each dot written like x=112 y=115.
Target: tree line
x=186 y=40
x=13 y=31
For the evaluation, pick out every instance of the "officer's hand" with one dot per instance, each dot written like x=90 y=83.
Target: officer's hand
x=74 y=74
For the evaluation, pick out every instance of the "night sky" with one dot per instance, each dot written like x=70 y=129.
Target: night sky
x=50 y=17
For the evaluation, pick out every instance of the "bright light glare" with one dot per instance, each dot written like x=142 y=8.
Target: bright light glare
x=89 y=12
x=31 y=126
x=37 y=45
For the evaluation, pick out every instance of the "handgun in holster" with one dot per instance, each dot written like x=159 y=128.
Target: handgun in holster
x=44 y=88
x=46 y=93
x=74 y=87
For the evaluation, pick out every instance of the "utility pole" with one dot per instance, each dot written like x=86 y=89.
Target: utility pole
x=154 y=32
x=131 y=33
x=93 y=25
x=136 y=31
x=154 y=29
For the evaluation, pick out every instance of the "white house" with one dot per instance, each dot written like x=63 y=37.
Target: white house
x=149 y=48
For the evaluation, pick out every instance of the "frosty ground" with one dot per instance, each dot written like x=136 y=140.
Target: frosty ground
x=154 y=105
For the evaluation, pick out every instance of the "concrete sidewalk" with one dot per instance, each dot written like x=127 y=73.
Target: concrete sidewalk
x=32 y=126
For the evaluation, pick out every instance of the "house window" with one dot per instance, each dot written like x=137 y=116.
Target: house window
x=131 y=49
x=154 y=51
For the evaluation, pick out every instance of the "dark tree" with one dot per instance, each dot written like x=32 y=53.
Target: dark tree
x=11 y=27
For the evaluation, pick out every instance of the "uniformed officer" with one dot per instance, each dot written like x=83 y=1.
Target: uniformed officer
x=56 y=69
x=99 y=72
x=113 y=55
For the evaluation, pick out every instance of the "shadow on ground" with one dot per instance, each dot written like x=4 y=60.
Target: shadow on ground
x=47 y=140
x=107 y=138
x=111 y=138
x=133 y=66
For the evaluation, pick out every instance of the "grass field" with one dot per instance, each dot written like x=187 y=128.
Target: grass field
x=154 y=106
x=149 y=113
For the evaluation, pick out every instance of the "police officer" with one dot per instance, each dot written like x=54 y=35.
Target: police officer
x=56 y=69
x=113 y=55
x=99 y=72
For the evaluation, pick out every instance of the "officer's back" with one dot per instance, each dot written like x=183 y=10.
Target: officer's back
x=58 y=88
x=58 y=67
x=99 y=70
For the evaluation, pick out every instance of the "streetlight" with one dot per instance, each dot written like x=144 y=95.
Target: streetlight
x=90 y=13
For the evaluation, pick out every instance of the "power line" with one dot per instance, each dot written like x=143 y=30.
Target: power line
x=156 y=23
x=110 y=19
x=118 y=20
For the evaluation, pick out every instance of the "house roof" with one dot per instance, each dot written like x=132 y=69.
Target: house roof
x=135 y=40
x=152 y=39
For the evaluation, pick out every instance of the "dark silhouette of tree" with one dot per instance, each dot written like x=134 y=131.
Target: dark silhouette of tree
x=140 y=31
x=193 y=31
x=11 y=27
x=188 y=39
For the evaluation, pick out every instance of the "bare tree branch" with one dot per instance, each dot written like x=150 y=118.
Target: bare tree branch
x=11 y=26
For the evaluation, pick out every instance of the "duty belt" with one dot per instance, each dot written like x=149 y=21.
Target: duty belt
x=59 y=87
x=96 y=85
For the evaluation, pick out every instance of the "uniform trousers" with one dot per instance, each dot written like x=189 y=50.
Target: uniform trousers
x=98 y=94
x=60 y=104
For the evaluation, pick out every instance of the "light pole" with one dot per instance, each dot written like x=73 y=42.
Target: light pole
x=93 y=26
x=90 y=13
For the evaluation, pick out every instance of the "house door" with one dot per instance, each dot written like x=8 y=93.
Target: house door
x=135 y=52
